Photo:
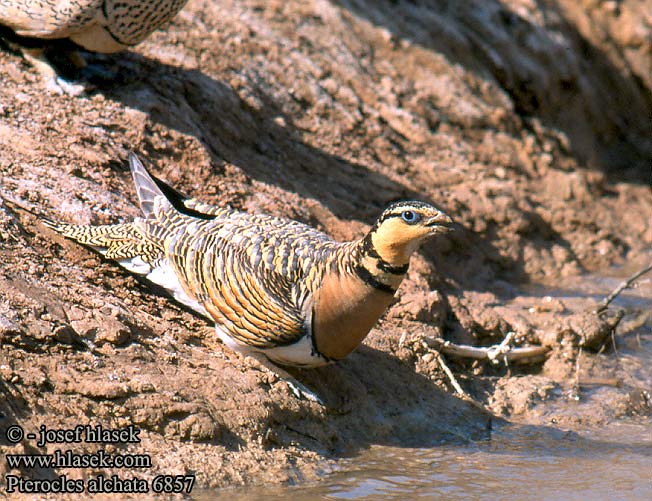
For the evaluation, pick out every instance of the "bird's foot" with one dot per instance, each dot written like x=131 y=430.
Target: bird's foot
x=65 y=71
x=302 y=392
x=299 y=390
x=58 y=85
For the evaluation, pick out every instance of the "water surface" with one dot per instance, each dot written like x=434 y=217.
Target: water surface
x=614 y=462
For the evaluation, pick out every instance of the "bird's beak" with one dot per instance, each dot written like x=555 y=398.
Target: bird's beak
x=440 y=223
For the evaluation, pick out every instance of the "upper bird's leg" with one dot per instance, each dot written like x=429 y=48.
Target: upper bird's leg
x=55 y=82
x=299 y=390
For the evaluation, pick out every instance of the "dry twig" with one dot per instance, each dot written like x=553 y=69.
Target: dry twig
x=501 y=350
x=624 y=285
x=451 y=376
x=578 y=366
x=453 y=380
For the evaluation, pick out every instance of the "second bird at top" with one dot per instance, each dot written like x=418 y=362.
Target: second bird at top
x=103 y=26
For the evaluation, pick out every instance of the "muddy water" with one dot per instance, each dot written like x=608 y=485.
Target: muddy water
x=518 y=461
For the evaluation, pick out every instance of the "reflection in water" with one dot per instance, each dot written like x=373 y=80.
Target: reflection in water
x=596 y=287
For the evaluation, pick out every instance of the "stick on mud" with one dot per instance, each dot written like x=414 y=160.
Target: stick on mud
x=604 y=304
x=535 y=353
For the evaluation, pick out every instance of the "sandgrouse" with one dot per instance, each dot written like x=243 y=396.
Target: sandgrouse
x=276 y=289
x=104 y=26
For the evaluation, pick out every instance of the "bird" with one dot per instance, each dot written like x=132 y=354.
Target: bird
x=104 y=26
x=277 y=290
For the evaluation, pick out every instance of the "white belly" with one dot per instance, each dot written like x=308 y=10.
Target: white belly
x=299 y=354
x=165 y=276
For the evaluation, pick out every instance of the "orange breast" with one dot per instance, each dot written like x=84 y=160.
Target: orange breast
x=345 y=310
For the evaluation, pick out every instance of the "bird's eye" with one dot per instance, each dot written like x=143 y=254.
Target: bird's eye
x=410 y=217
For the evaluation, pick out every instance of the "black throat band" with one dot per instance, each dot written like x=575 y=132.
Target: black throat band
x=366 y=276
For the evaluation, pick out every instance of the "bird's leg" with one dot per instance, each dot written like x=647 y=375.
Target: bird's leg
x=54 y=82
x=300 y=391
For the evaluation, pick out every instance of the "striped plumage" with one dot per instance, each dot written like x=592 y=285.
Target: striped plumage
x=272 y=286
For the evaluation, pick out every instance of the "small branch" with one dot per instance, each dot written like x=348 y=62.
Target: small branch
x=500 y=350
x=451 y=376
x=453 y=380
x=507 y=353
x=600 y=381
x=578 y=366
x=624 y=285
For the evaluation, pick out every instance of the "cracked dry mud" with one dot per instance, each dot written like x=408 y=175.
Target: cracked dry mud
x=529 y=124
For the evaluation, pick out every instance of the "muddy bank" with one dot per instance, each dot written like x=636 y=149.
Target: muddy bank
x=529 y=125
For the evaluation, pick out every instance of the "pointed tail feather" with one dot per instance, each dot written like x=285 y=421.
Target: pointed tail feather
x=72 y=231
x=90 y=236
x=146 y=187
x=149 y=187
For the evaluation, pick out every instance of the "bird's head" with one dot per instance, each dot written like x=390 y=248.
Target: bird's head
x=403 y=226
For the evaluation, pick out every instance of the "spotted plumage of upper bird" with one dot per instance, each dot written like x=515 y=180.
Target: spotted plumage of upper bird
x=104 y=26
x=276 y=289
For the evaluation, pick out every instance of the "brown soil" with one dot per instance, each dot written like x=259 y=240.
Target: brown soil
x=529 y=124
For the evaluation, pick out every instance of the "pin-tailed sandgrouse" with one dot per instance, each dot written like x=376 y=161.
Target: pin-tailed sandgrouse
x=276 y=289
x=104 y=26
